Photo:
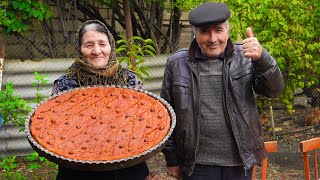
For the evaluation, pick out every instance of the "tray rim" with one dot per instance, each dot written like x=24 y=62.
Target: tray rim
x=101 y=164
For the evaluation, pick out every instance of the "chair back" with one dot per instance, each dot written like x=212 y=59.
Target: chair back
x=306 y=146
x=271 y=146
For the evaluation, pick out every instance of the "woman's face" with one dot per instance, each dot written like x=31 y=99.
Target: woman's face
x=95 y=48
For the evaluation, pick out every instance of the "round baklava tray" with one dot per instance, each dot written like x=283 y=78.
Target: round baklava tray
x=100 y=127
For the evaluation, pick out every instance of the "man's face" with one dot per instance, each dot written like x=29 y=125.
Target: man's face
x=212 y=39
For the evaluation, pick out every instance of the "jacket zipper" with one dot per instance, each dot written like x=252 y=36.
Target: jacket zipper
x=229 y=114
x=196 y=65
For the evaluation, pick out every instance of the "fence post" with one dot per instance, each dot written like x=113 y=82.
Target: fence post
x=1 y=70
x=2 y=55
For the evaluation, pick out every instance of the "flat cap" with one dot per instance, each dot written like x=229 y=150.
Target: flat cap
x=209 y=13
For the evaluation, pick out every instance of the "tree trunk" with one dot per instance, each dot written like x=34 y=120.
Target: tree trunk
x=145 y=22
x=176 y=28
x=127 y=18
x=158 y=19
x=128 y=23
x=63 y=27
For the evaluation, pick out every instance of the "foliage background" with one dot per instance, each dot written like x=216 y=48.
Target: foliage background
x=289 y=30
x=16 y=16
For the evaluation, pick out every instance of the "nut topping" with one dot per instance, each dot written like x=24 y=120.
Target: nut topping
x=141 y=118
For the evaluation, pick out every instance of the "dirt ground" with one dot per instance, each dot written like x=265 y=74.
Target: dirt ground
x=287 y=163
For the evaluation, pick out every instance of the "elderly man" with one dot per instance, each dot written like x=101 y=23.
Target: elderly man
x=211 y=87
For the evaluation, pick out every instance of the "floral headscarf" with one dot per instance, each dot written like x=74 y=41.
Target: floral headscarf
x=87 y=74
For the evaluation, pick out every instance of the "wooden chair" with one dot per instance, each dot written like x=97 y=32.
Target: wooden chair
x=306 y=146
x=271 y=146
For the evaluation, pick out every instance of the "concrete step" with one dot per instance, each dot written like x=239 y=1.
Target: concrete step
x=153 y=86
x=60 y=65
x=27 y=78
x=13 y=141
x=44 y=66
x=11 y=131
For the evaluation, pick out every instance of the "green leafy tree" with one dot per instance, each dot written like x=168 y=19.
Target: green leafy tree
x=288 y=30
x=40 y=80
x=16 y=16
x=13 y=108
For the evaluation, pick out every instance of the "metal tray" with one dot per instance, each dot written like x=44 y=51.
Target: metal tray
x=100 y=165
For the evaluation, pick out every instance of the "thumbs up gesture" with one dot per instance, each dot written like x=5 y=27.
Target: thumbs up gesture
x=251 y=47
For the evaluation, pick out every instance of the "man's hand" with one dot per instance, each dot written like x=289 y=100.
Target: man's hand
x=251 y=47
x=174 y=171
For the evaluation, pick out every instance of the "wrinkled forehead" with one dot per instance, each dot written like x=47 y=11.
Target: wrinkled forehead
x=92 y=27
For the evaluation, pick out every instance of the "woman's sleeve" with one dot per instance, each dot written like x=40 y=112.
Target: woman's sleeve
x=63 y=83
x=133 y=80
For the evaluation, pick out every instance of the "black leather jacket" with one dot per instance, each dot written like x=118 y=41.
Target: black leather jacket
x=242 y=78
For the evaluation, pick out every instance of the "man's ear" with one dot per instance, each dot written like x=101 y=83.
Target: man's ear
x=229 y=30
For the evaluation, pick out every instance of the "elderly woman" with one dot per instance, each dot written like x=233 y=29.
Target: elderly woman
x=96 y=64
